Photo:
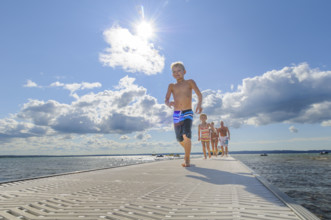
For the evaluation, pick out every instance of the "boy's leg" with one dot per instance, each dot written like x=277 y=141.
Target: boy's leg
x=183 y=145
x=186 y=143
x=226 y=150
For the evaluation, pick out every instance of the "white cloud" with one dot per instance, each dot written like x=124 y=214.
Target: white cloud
x=124 y=137
x=293 y=129
x=57 y=84
x=126 y=109
x=73 y=87
x=296 y=94
x=131 y=52
x=81 y=144
x=326 y=123
x=30 y=84
x=143 y=136
x=11 y=128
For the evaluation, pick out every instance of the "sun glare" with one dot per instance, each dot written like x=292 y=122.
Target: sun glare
x=145 y=29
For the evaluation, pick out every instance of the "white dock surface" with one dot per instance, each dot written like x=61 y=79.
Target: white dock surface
x=211 y=189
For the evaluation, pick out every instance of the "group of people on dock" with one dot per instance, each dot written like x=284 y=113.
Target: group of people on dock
x=208 y=133
x=183 y=116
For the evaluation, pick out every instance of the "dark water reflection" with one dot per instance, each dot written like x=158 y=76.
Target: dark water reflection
x=304 y=177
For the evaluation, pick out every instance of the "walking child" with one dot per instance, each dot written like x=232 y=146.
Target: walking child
x=204 y=135
x=182 y=104
x=214 y=139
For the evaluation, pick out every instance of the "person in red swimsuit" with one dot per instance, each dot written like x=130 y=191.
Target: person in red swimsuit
x=204 y=135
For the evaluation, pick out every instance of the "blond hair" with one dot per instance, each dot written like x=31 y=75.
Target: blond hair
x=177 y=64
x=203 y=114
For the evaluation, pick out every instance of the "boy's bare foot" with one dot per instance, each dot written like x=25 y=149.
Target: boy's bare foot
x=185 y=165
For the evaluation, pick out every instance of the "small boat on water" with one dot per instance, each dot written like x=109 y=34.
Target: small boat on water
x=324 y=152
x=264 y=154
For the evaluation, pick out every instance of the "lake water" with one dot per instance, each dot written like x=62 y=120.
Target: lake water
x=304 y=177
x=16 y=168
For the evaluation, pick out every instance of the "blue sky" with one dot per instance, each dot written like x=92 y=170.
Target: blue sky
x=77 y=77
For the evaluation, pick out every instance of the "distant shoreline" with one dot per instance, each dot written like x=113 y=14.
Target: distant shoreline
x=193 y=153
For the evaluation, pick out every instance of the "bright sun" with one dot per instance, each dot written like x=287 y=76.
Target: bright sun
x=145 y=29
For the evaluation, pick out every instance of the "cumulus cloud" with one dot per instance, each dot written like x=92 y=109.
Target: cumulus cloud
x=326 y=123
x=131 y=52
x=297 y=94
x=80 y=144
x=73 y=87
x=293 y=129
x=124 y=137
x=126 y=109
x=142 y=136
x=11 y=128
x=30 y=84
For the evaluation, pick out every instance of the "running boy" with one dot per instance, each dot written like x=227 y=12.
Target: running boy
x=183 y=114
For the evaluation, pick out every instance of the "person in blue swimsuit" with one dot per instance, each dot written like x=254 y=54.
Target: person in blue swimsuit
x=182 y=104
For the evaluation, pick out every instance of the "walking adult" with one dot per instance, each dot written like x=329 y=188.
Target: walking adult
x=224 y=137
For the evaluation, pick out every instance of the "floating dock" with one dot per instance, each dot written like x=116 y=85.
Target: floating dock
x=210 y=189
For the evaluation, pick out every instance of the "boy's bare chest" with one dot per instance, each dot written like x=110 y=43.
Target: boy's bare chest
x=182 y=89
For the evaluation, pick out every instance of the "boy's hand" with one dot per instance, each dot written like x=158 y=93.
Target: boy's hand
x=198 y=110
x=169 y=104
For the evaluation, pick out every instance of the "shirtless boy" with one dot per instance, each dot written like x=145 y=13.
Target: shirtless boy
x=224 y=134
x=183 y=114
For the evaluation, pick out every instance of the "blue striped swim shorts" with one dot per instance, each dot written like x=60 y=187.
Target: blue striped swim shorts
x=183 y=124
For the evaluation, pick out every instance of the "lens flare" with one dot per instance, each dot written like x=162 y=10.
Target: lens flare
x=145 y=30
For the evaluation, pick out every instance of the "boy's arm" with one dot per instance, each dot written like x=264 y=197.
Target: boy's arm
x=197 y=91
x=167 y=98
